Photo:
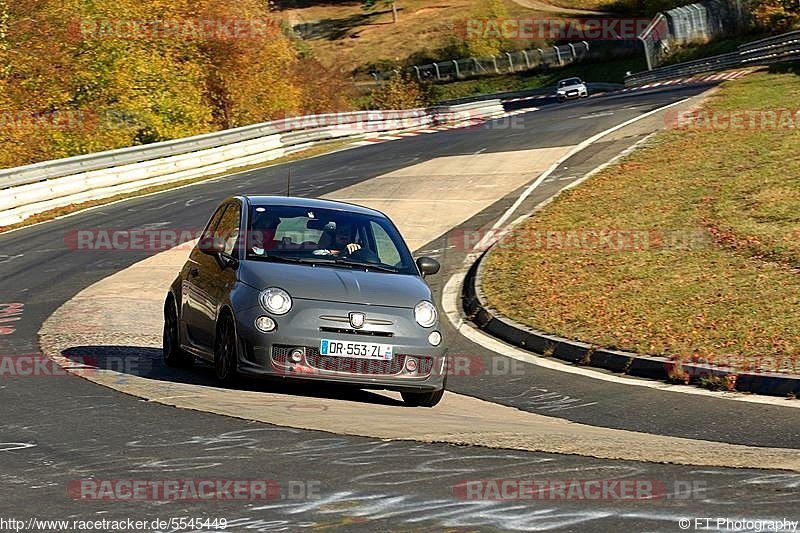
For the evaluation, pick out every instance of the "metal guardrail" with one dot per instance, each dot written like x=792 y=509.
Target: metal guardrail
x=784 y=47
x=554 y=56
x=778 y=48
x=35 y=188
x=688 y=68
x=84 y=163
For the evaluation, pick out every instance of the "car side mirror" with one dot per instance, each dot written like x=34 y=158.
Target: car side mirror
x=211 y=246
x=428 y=266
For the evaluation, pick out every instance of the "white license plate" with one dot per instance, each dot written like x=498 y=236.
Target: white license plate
x=360 y=350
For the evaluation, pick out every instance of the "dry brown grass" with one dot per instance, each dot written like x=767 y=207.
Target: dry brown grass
x=353 y=38
x=729 y=297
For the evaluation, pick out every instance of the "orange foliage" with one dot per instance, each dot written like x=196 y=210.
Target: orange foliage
x=77 y=77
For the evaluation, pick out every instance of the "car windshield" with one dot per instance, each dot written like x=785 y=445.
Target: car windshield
x=568 y=82
x=326 y=237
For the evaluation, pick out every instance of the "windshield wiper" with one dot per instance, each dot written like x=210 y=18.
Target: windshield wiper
x=277 y=258
x=339 y=262
x=305 y=261
x=368 y=266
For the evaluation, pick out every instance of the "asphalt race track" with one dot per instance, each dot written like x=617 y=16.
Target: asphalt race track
x=56 y=430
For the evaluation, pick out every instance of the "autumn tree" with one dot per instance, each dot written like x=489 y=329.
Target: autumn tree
x=776 y=15
x=400 y=92
x=74 y=78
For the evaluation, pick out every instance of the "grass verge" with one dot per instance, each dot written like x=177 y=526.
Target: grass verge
x=73 y=208
x=705 y=249
x=346 y=38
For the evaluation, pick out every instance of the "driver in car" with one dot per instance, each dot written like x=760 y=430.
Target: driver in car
x=337 y=240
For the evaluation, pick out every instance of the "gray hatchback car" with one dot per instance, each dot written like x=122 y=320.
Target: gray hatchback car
x=309 y=290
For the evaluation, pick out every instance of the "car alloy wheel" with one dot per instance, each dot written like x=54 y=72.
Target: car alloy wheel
x=225 y=353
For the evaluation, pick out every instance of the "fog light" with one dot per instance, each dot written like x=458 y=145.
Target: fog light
x=411 y=364
x=265 y=324
x=296 y=355
x=435 y=338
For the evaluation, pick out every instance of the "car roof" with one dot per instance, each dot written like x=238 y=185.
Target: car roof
x=311 y=203
x=570 y=79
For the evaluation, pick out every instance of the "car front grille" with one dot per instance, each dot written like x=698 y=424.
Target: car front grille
x=349 y=331
x=353 y=365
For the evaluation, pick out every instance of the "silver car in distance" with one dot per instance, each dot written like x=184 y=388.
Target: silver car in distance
x=308 y=290
x=571 y=88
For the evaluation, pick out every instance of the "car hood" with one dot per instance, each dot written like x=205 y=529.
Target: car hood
x=572 y=87
x=336 y=284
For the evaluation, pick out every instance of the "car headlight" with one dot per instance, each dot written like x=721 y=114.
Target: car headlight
x=425 y=314
x=276 y=301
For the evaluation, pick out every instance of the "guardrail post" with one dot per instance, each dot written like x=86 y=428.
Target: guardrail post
x=646 y=53
x=572 y=49
x=419 y=74
x=476 y=65
x=496 y=68
x=698 y=21
x=458 y=73
x=438 y=74
x=558 y=55
x=527 y=59
x=510 y=63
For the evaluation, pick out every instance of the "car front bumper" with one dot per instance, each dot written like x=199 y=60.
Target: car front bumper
x=268 y=354
x=572 y=94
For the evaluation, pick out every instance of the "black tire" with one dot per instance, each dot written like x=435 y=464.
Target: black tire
x=174 y=356
x=422 y=399
x=226 y=353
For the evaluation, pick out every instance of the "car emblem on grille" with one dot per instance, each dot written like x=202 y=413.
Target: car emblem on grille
x=357 y=320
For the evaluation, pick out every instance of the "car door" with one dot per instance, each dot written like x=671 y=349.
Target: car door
x=198 y=313
x=222 y=275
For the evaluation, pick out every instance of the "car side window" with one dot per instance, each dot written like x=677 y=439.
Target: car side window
x=228 y=228
x=386 y=250
x=213 y=222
